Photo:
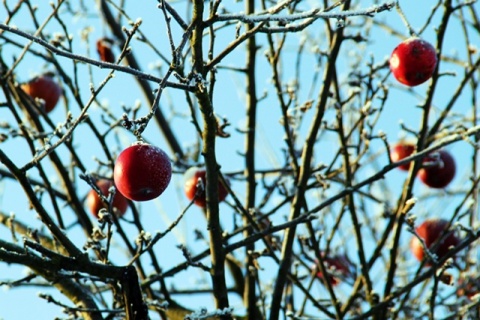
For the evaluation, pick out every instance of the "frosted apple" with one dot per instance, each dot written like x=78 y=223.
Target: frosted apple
x=142 y=172
x=191 y=178
x=413 y=61
x=432 y=231
x=104 y=49
x=438 y=169
x=95 y=203
x=400 y=151
x=45 y=88
x=338 y=266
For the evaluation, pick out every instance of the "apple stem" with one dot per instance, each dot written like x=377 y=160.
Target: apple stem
x=404 y=19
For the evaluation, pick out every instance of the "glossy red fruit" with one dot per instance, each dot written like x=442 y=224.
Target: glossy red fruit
x=104 y=49
x=95 y=203
x=438 y=169
x=432 y=231
x=401 y=151
x=191 y=178
x=142 y=172
x=338 y=267
x=45 y=88
x=413 y=61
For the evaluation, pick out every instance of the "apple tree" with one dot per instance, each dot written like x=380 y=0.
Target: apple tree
x=239 y=159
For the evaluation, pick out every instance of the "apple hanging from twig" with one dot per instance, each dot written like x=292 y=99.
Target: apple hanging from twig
x=45 y=88
x=104 y=49
x=438 y=169
x=95 y=203
x=413 y=61
x=142 y=172
x=432 y=231
x=192 y=178
x=337 y=266
x=401 y=151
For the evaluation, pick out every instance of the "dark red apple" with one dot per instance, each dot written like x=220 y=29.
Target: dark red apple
x=142 y=172
x=438 y=169
x=413 y=61
x=45 y=88
x=401 y=151
x=191 y=178
x=104 y=49
x=338 y=267
x=432 y=231
x=95 y=203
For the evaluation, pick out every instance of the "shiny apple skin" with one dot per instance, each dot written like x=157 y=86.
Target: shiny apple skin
x=191 y=178
x=401 y=151
x=44 y=87
x=337 y=264
x=440 y=175
x=431 y=231
x=95 y=203
x=104 y=49
x=413 y=61
x=142 y=172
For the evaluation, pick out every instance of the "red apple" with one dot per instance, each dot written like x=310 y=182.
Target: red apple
x=95 y=203
x=142 y=172
x=191 y=178
x=413 y=61
x=338 y=266
x=104 y=49
x=438 y=169
x=400 y=151
x=432 y=231
x=45 y=88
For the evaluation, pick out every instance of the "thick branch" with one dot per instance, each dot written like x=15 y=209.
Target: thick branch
x=303 y=177
x=220 y=290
